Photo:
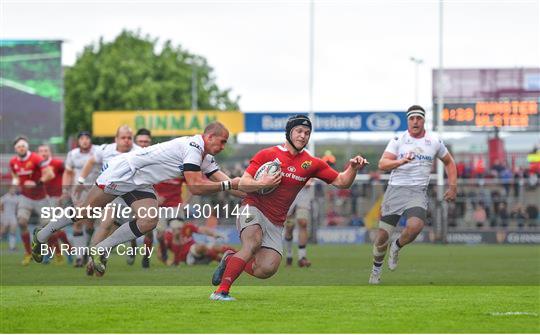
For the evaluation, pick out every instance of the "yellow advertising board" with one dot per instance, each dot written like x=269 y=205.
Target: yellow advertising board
x=164 y=122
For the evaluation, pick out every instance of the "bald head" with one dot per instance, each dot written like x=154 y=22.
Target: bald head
x=124 y=138
x=216 y=128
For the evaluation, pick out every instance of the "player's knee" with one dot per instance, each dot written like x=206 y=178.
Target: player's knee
x=146 y=225
x=302 y=223
x=267 y=270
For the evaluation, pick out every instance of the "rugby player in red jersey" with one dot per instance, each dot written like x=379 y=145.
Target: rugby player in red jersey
x=30 y=172
x=53 y=188
x=262 y=227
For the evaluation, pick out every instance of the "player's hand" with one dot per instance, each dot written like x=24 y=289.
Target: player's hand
x=408 y=158
x=358 y=162
x=29 y=183
x=269 y=181
x=450 y=194
x=234 y=183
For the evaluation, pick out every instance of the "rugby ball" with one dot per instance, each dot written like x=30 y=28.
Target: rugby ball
x=271 y=168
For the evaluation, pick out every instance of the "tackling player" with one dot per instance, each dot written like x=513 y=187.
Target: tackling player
x=261 y=229
x=410 y=157
x=132 y=175
x=30 y=172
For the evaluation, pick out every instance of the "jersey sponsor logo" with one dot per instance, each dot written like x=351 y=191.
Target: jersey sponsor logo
x=28 y=165
x=428 y=142
x=306 y=165
x=293 y=176
x=195 y=145
x=291 y=169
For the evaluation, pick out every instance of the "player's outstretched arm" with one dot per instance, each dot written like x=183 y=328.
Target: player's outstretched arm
x=389 y=161
x=248 y=184
x=198 y=185
x=346 y=178
x=209 y=232
x=221 y=176
x=451 y=172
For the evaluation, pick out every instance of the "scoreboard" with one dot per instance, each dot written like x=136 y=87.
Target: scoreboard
x=485 y=115
x=484 y=99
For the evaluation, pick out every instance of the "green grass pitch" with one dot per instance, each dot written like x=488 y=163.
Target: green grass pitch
x=436 y=288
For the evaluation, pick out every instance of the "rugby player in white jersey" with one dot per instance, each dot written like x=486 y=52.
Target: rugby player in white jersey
x=410 y=157
x=132 y=175
x=123 y=142
x=8 y=216
x=74 y=164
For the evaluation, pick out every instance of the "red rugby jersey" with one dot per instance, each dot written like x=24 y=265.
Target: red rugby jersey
x=296 y=170
x=54 y=186
x=29 y=168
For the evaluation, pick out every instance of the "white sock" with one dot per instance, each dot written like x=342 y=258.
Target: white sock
x=288 y=246
x=301 y=252
x=51 y=227
x=124 y=233
x=12 y=238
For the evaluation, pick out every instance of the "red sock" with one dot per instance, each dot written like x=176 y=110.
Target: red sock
x=25 y=236
x=63 y=237
x=249 y=266
x=176 y=249
x=235 y=266
x=148 y=241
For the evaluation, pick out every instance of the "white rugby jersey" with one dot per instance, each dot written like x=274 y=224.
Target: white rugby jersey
x=167 y=160
x=105 y=152
x=75 y=161
x=426 y=150
x=9 y=202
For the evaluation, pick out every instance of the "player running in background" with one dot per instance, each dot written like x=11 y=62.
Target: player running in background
x=299 y=213
x=73 y=166
x=261 y=229
x=29 y=172
x=410 y=157
x=123 y=142
x=53 y=188
x=8 y=217
x=143 y=138
x=132 y=175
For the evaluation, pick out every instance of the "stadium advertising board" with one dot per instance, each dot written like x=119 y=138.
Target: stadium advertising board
x=165 y=123
x=31 y=89
x=482 y=99
x=331 y=121
x=484 y=115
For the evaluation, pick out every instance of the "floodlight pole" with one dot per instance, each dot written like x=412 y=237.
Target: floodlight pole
x=442 y=218
x=311 y=145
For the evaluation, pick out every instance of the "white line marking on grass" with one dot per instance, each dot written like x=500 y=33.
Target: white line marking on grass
x=512 y=313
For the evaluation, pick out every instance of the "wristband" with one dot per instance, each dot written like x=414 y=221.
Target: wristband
x=80 y=180
x=226 y=185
